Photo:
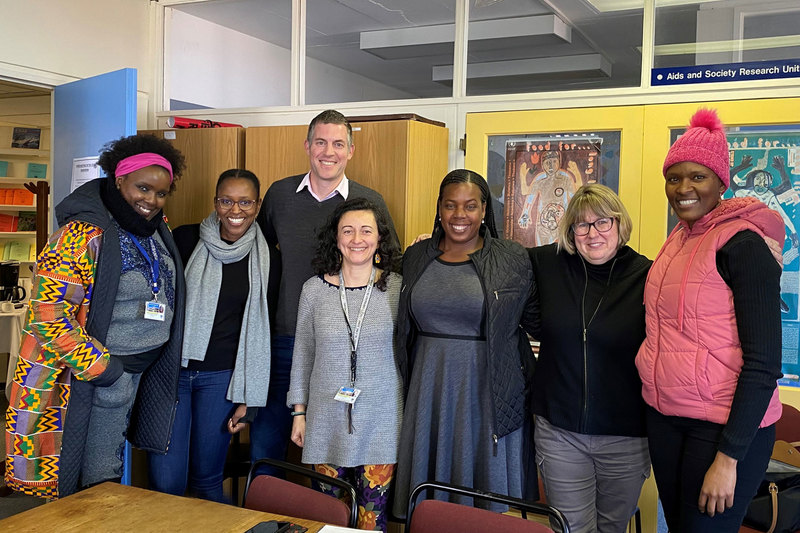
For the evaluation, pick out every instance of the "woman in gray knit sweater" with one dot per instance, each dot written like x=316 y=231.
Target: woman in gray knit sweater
x=345 y=390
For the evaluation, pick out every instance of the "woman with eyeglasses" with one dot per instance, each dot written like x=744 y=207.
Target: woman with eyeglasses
x=586 y=310
x=226 y=350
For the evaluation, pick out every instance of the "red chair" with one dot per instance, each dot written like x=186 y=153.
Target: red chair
x=788 y=425
x=278 y=496
x=435 y=516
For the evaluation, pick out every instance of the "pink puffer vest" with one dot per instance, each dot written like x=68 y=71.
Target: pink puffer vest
x=691 y=359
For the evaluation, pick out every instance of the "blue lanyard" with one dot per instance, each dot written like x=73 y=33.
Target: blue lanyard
x=152 y=263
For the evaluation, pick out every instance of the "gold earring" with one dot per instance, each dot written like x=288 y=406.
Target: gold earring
x=377 y=258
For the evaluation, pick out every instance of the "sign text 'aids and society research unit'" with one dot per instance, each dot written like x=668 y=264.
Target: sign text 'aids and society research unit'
x=754 y=70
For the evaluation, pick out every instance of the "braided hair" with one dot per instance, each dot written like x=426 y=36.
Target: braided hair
x=462 y=175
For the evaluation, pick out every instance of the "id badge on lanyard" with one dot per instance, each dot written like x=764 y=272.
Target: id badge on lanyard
x=153 y=309
x=346 y=394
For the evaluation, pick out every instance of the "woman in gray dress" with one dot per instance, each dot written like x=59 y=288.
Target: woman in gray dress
x=345 y=387
x=460 y=351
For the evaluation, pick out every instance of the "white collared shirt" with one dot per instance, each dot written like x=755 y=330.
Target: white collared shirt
x=343 y=188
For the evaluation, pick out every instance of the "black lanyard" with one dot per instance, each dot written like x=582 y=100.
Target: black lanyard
x=354 y=334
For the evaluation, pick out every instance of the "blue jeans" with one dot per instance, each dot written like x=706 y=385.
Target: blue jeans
x=200 y=438
x=269 y=432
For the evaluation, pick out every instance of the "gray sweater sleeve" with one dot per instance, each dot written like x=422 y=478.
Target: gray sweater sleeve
x=304 y=349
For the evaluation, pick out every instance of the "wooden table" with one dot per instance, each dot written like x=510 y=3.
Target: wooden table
x=110 y=507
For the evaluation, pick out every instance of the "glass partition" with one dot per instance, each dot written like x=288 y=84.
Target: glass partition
x=528 y=46
x=228 y=53
x=358 y=51
x=691 y=33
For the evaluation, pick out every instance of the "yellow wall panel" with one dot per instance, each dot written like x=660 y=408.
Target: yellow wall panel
x=644 y=143
x=660 y=119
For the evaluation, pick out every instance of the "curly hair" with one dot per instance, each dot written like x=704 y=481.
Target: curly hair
x=115 y=151
x=328 y=259
x=463 y=175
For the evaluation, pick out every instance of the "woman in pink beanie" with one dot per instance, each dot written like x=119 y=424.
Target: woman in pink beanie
x=712 y=355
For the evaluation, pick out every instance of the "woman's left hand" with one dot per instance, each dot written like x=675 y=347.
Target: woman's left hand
x=234 y=426
x=776 y=249
x=716 y=494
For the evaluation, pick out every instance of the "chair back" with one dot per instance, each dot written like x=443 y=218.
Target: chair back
x=274 y=495
x=445 y=517
x=434 y=516
x=788 y=425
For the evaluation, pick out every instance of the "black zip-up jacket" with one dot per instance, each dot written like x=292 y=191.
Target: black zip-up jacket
x=505 y=273
x=153 y=413
x=589 y=384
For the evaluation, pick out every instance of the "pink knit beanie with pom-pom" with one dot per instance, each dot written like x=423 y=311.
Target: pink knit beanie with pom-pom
x=704 y=143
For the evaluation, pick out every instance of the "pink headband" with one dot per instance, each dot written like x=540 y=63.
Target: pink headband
x=139 y=161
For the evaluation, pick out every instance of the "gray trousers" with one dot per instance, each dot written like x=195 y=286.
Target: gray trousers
x=108 y=425
x=595 y=480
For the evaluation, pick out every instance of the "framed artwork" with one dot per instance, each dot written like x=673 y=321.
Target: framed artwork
x=533 y=177
x=26 y=138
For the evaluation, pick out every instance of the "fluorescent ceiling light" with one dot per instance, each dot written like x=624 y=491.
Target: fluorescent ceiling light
x=603 y=6
x=484 y=35
x=561 y=67
x=760 y=43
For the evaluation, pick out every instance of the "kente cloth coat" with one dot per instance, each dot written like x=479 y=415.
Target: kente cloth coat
x=63 y=350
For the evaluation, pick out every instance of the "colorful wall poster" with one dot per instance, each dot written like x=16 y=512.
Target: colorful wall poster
x=765 y=164
x=532 y=178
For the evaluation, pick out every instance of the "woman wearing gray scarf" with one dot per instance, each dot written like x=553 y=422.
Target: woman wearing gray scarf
x=226 y=348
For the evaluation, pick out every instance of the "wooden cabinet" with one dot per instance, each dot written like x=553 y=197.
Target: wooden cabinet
x=403 y=159
x=208 y=152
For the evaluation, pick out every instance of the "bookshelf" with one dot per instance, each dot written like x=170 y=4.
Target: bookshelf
x=19 y=166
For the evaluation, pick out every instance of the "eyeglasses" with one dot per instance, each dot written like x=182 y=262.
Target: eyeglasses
x=227 y=204
x=602 y=225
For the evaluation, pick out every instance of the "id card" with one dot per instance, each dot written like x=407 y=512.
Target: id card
x=347 y=395
x=154 y=310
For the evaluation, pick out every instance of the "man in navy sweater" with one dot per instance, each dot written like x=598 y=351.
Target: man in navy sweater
x=293 y=210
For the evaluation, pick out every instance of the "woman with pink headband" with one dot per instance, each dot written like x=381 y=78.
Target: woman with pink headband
x=100 y=352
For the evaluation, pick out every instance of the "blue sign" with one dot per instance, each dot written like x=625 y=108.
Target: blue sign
x=753 y=70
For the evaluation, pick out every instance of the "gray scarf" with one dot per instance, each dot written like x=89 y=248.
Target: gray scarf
x=250 y=381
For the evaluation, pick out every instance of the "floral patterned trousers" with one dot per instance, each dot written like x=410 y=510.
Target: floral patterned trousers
x=372 y=490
